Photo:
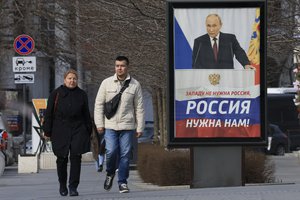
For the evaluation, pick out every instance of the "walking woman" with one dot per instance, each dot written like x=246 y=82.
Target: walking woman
x=68 y=125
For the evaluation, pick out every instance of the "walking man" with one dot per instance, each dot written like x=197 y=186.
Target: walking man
x=121 y=128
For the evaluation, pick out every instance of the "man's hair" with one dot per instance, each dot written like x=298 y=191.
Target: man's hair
x=122 y=58
x=71 y=71
x=216 y=15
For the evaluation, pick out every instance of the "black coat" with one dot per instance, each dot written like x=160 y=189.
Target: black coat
x=68 y=121
x=203 y=55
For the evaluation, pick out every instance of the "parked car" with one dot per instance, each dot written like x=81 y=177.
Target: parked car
x=278 y=141
x=6 y=140
x=283 y=112
x=294 y=138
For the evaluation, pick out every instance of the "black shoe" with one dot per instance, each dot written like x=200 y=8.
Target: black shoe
x=63 y=191
x=123 y=188
x=108 y=182
x=100 y=168
x=73 y=192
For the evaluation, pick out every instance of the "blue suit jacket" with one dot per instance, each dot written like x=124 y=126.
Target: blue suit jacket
x=203 y=56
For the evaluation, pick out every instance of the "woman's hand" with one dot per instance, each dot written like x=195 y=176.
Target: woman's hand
x=46 y=138
x=100 y=130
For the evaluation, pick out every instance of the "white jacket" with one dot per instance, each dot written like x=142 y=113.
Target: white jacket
x=130 y=114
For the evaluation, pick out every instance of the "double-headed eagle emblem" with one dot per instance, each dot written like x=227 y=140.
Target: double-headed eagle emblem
x=214 y=79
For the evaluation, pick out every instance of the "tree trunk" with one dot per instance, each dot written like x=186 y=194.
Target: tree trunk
x=78 y=49
x=164 y=117
x=62 y=38
x=155 y=116
x=160 y=115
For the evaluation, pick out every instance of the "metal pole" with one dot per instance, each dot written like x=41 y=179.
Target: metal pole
x=24 y=116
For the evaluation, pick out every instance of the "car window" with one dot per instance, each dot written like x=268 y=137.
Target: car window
x=270 y=130
x=275 y=130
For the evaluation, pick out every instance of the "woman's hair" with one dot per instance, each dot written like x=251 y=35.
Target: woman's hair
x=71 y=71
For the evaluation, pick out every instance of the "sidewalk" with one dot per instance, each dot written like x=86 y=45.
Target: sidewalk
x=44 y=186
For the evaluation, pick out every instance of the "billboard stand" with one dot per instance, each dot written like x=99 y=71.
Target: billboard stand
x=217 y=102
x=216 y=166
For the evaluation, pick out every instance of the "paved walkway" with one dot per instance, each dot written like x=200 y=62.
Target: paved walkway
x=44 y=186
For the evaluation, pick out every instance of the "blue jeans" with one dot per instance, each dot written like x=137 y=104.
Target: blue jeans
x=118 y=152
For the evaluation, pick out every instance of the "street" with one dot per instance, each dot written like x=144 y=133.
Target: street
x=44 y=185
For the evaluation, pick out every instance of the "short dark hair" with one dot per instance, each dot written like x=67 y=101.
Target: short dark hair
x=122 y=58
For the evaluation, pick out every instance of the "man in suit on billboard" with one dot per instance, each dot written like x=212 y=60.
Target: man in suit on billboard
x=215 y=50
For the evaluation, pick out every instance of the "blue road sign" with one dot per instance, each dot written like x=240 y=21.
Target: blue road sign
x=24 y=44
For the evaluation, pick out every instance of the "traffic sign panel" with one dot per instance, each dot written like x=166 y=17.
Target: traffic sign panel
x=24 y=78
x=24 y=64
x=24 y=44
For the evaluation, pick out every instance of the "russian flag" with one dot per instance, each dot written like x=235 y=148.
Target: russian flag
x=253 y=51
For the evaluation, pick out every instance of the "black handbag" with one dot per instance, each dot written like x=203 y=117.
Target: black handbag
x=110 y=107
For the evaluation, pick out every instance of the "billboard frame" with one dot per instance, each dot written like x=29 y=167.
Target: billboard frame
x=174 y=141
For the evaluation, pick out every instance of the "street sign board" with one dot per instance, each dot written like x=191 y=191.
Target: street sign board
x=24 y=44
x=24 y=78
x=24 y=64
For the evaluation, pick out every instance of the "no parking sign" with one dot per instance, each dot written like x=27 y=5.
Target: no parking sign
x=24 y=44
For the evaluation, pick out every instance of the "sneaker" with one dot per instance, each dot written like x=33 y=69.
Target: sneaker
x=123 y=188
x=108 y=182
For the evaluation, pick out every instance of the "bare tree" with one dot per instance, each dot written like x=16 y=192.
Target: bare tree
x=282 y=38
x=99 y=30
x=96 y=31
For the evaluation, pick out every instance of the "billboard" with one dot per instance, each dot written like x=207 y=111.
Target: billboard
x=216 y=77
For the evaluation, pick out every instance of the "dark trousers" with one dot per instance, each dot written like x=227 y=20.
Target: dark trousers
x=75 y=167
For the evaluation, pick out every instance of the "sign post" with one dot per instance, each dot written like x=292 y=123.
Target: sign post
x=24 y=45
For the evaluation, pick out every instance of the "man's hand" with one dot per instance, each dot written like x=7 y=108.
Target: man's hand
x=100 y=130
x=250 y=67
x=139 y=134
